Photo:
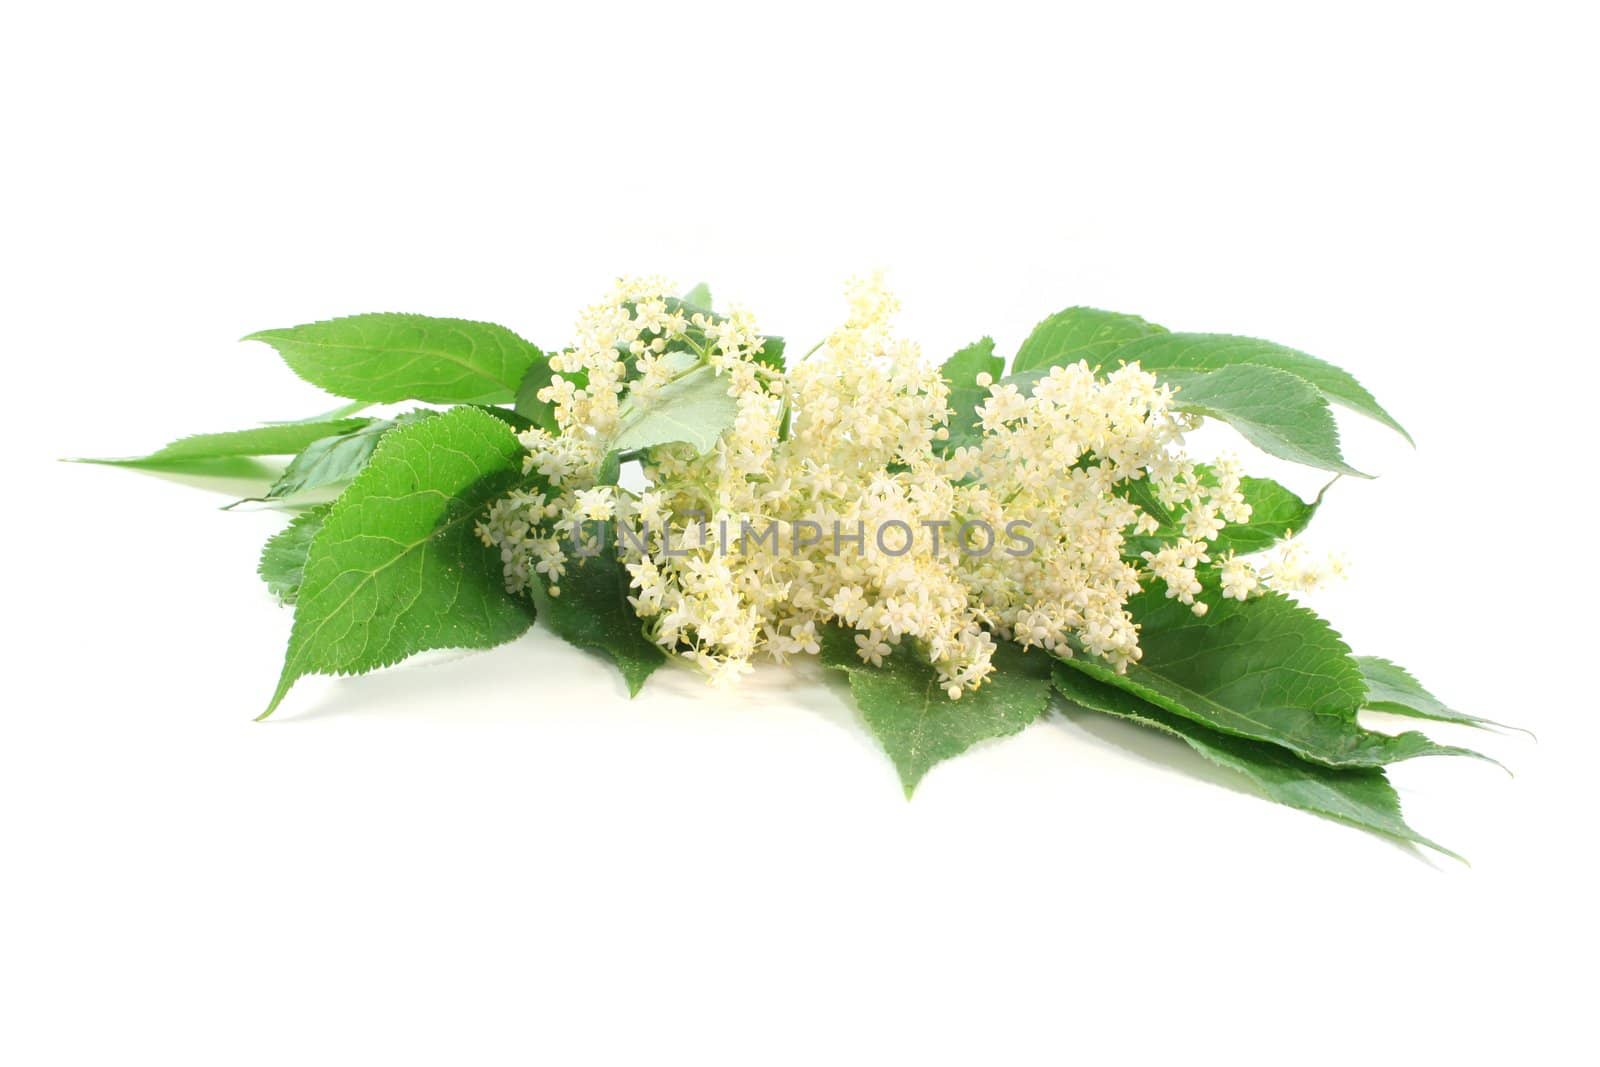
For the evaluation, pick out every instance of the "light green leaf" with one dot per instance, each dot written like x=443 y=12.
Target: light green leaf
x=909 y=713
x=961 y=371
x=278 y=439
x=1265 y=669
x=1274 y=410
x=1361 y=797
x=397 y=567
x=388 y=357
x=1214 y=351
x=593 y=612
x=699 y=297
x=977 y=358
x=1080 y=333
x=283 y=558
x=1274 y=513
x=694 y=410
x=1392 y=688
x=335 y=460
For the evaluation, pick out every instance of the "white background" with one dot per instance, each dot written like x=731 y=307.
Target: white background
x=498 y=858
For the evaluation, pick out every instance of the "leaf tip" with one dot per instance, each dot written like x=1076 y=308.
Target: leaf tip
x=284 y=684
x=1454 y=750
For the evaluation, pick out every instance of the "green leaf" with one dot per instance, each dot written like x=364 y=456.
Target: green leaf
x=1392 y=688
x=699 y=297
x=518 y=423
x=1265 y=669
x=1274 y=410
x=593 y=612
x=1214 y=351
x=528 y=404
x=335 y=460
x=1080 y=333
x=961 y=371
x=1360 y=797
x=977 y=358
x=388 y=357
x=771 y=352
x=694 y=409
x=397 y=567
x=909 y=713
x=278 y=439
x=610 y=471
x=1274 y=513
x=283 y=558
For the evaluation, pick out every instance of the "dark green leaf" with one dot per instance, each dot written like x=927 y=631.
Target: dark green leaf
x=1361 y=797
x=910 y=714
x=610 y=469
x=397 y=567
x=1214 y=351
x=1080 y=333
x=283 y=558
x=541 y=413
x=1265 y=669
x=388 y=357
x=518 y=423
x=771 y=352
x=1274 y=410
x=593 y=612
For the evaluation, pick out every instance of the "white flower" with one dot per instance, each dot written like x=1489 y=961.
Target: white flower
x=1292 y=569
x=1239 y=579
x=597 y=503
x=864 y=415
x=872 y=647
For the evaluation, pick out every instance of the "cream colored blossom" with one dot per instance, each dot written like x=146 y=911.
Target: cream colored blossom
x=1293 y=568
x=1239 y=579
x=719 y=550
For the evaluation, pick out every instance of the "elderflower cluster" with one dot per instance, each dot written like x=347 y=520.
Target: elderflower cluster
x=834 y=499
x=1292 y=568
x=1288 y=568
